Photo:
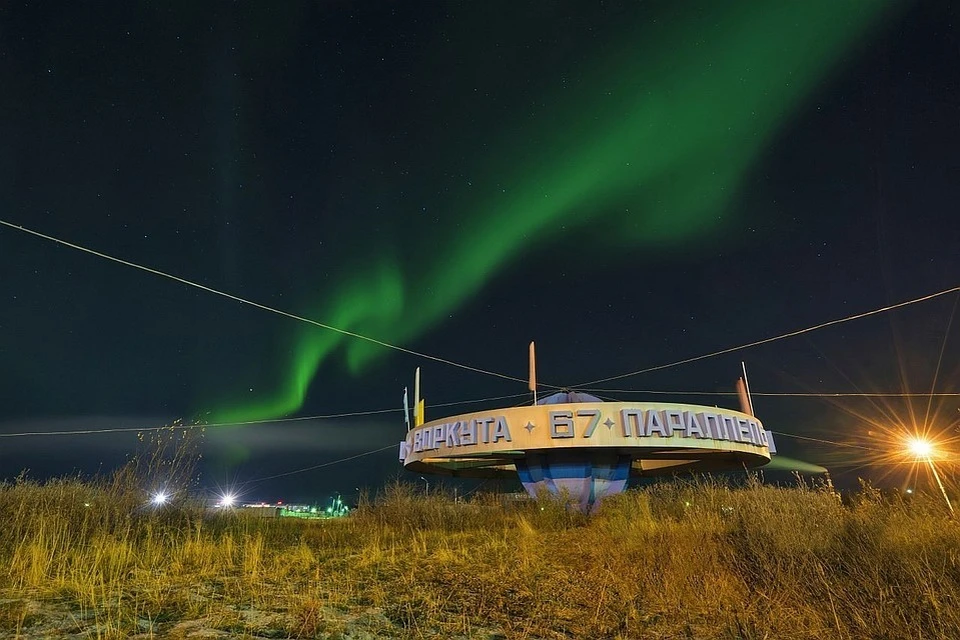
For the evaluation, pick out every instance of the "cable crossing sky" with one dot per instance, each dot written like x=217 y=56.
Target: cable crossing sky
x=782 y=336
x=459 y=365
x=258 y=305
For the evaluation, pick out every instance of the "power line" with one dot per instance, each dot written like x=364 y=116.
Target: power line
x=351 y=334
x=390 y=446
x=775 y=338
x=368 y=453
x=821 y=440
x=319 y=466
x=779 y=433
x=491 y=399
x=188 y=427
x=784 y=394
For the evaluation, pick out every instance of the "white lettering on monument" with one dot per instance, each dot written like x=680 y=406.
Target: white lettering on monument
x=627 y=423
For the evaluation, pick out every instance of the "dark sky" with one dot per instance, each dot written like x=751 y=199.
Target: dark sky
x=629 y=184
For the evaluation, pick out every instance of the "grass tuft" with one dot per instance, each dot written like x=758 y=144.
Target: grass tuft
x=685 y=559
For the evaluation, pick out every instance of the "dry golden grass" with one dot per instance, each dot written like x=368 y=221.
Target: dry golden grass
x=677 y=560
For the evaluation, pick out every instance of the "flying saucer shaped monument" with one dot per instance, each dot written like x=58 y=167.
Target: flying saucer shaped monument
x=577 y=444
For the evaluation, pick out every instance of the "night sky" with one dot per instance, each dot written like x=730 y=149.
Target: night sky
x=627 y=183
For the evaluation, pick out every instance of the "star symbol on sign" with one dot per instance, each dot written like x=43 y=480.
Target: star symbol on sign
x=530 y=426
x=609 y=423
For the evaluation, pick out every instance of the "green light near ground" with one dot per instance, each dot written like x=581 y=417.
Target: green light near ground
x=650 y=143
x=783 y=463
x=336 y=509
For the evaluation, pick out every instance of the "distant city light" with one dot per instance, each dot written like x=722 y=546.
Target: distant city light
x=228 y=500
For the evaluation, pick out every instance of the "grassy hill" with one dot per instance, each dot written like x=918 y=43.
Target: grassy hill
x=674 y=560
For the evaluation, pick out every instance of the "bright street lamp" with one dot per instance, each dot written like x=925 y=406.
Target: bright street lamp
x=920 y=448
x=924 y=451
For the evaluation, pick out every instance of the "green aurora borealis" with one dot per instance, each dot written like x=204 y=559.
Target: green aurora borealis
x=648 y=143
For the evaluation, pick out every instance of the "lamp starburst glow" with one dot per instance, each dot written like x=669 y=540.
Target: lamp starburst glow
x=920 y=448
x=159 y=498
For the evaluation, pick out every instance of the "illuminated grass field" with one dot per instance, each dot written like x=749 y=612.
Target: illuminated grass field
x=686 y=560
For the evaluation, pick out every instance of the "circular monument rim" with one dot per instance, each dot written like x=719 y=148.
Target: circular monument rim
x=676 y=437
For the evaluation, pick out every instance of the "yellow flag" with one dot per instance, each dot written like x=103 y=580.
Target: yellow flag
x=419 y=417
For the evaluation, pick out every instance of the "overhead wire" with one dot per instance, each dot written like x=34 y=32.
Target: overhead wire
x=188 y=427
x=372 y=451
x=790 y=435
x=824 y=441
x=491 y=399
x=785 y=394
x=202 y=425
x=943 y=346
x=390 y=446
x=452 y=363
x=258 y=305
x=318 y=466
x=783 y=336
